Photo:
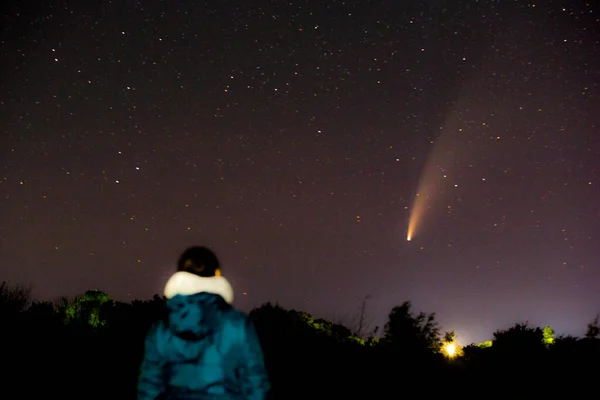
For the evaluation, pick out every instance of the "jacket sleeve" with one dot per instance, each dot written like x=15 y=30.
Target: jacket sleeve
x=253 y=374
x=151 y=383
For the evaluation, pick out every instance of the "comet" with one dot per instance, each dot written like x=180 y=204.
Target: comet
x=421 y=204
x=459 y=141
x=436 y=179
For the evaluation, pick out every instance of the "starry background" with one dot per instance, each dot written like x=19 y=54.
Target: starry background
x=291 y=137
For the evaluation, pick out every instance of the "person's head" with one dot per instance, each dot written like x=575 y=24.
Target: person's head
x=199 y=261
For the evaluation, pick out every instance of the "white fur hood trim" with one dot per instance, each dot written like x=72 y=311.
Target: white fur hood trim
x=186 y=284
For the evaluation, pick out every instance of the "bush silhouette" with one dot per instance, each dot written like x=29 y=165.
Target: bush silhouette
x=90 y=346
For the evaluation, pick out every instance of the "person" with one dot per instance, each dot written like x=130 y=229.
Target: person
x=202 y=348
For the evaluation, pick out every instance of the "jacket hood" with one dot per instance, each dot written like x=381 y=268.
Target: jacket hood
x=185 y=283
x=195 y=309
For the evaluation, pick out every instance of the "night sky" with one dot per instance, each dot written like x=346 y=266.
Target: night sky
x=292 y=138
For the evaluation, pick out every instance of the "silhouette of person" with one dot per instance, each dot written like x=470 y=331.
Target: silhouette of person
x=203 y=348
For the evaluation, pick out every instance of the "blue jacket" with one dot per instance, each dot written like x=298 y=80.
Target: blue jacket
x=203 y=348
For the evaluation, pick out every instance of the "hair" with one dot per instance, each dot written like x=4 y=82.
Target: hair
x=199 y=261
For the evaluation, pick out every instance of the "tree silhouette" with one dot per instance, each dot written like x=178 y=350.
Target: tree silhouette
x=593 y=329
x=412 y=332
x=360 y=324
x=519 y=340
x=43 y=313
x=14 y=299
x=449 y=337
x=302 y=352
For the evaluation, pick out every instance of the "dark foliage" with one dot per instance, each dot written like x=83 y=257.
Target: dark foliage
x=91 y=347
